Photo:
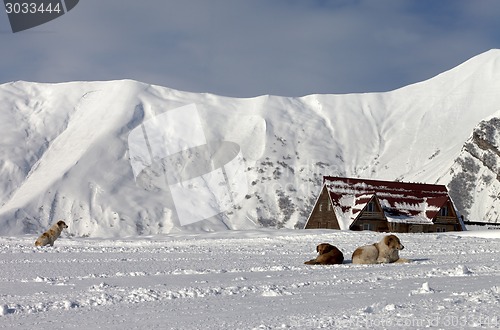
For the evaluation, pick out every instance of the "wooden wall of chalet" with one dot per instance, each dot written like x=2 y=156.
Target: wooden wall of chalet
x=416 y=228
x=394 y=227
x=370 y=224
x=323 y=215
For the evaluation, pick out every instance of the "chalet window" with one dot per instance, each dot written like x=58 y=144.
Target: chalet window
x=441 y=229
x=367 y=226
x=329 y=207
x=370 y=207
x=321 y=207
x=444 y=211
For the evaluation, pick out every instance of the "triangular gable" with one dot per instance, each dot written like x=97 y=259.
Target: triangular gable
x=315 y=204
x=365 y=211
x=438 y=203
x=318 y=218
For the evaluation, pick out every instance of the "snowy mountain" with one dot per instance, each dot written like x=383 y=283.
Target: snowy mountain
x=88 y=152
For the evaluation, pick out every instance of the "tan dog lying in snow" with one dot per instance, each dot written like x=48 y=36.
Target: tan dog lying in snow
x=327 y=255
x=49 y=237
x=385 y=251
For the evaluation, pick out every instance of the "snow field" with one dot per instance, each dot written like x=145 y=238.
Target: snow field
x=247 y=280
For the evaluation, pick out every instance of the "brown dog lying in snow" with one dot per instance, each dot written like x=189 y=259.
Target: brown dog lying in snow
x=49 y=237
x=385 y=251
x=327 y=255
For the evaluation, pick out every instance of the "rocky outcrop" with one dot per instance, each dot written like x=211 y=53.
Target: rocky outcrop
x=475 y=175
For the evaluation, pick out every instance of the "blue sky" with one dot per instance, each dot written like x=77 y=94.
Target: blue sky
x=254 y=47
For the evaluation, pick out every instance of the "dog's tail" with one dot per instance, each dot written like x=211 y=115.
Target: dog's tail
x=311 y=262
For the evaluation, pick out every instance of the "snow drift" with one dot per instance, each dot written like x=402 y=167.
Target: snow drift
x=65 y=150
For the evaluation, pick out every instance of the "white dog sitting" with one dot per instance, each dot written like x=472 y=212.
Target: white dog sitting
x=49 y=237
x=385 y=251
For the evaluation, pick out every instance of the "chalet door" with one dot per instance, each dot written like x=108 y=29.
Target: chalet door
x=416 y=229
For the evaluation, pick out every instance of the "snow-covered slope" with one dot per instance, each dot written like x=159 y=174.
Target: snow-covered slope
x=65 y=149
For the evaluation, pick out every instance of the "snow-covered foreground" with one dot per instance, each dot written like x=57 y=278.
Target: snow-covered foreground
x=248 y=280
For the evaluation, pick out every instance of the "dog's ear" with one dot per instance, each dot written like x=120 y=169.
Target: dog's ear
x=320 y=248
x=393 y=242
x=328 y=248
x=324 y=248
x=389 y=241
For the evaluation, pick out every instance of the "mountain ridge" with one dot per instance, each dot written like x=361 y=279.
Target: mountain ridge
x=74 y=163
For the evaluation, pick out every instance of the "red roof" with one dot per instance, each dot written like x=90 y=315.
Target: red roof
x=401 y=201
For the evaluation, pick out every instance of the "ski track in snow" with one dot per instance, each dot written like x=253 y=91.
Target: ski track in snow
x=247 y=280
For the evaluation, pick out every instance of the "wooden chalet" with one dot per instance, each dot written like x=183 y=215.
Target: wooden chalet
x=383 y=206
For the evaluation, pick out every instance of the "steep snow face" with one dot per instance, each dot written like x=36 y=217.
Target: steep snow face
x=65 y=150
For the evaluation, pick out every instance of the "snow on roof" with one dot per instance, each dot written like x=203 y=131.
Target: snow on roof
x=409 y=219
x=402 y=202
x=344 y=211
